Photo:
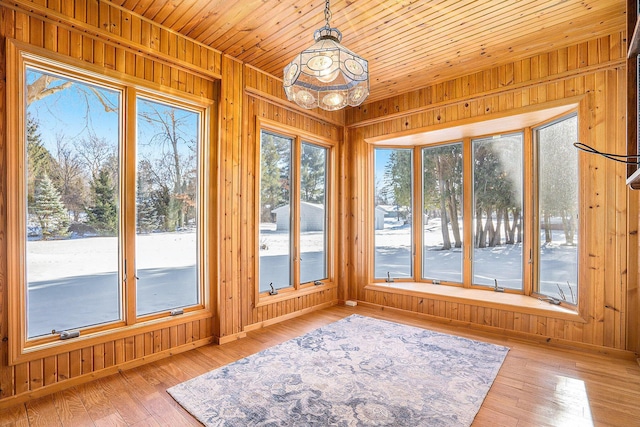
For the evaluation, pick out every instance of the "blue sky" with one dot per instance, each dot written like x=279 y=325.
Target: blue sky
x=74 y=113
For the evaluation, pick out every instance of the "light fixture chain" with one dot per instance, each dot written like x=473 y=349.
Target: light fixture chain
x=327 y=14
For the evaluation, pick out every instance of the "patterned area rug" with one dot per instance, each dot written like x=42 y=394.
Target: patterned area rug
x=358 y=371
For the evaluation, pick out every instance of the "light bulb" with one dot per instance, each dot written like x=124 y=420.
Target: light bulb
x=320 y=63
x=333 y=99
x=357 y=94
x=354 y=66
x=328 y=78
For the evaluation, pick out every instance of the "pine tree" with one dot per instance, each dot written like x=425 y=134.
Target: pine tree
x=398 y=177
x=103 y=215
x=38 y=157
x=275 y=160
x=313 y=173
x=49 y=210
x=146 y=217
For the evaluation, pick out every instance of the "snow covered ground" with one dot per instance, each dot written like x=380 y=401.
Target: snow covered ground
x=73 y=283
x=558 y=262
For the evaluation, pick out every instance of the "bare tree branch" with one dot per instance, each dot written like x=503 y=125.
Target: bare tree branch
x=41 y=88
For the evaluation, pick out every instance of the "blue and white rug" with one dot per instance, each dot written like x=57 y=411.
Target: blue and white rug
x=358 y=371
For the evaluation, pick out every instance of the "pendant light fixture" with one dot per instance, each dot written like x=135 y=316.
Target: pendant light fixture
x=327 y=74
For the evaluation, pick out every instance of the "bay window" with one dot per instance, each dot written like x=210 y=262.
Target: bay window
x=442 y=216
x=496 y=212
x=497 y=195
x=393 y=206
x=557 y=209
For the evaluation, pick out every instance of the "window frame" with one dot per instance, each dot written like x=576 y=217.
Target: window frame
x=535 y=193
x=298 y=137
x=420 y=191
x=464 y=132
x=416 y=238
x=21 y=56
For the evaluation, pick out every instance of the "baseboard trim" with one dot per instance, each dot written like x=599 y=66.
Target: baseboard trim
x=499 y=332
x=85 y=378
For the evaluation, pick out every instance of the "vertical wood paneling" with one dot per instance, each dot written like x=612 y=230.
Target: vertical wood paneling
x=230 y=145
x=103 y=34
x=255 y=107
x=92 y=48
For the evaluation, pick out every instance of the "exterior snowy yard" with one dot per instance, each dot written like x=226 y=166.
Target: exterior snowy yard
x=74 y=283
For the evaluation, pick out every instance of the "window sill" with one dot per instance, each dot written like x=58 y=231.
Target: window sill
x=35 y=349
x=482 y=298
x=634 y=180
x=290 y=293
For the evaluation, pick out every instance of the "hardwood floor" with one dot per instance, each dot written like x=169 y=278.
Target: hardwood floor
x=536 y=386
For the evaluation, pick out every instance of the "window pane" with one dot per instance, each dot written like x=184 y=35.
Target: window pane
x=313 y=213
x=275 y=212
x=558 y=210
x=442 y=212
x=497 y=191
x=393 y=203
x=166 y=207
x=72 y=170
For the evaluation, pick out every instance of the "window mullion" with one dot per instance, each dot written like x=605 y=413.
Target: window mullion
x=418 y=203
x=468 y=201
x=529 y=200
x=296 y=153
x=128 y=208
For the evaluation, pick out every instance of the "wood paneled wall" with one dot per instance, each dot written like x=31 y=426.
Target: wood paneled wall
x=121 y=44
x=103 y=38
x=594 y=70
x=264 y=99
x=100 y=36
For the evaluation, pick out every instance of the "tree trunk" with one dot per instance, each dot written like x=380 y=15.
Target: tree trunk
x=453 y=216
x=568 y=227
x=177 y=187
x=497 y=236
x=546 y=218
x=446 y=241
x=489 y=230
x=517 y=225
x=480 y=242
x=508 y=230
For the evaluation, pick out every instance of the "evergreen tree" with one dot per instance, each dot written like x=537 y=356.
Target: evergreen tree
x=49 y=210
x=312 y=173
x=558 y=160
x=442 y=188
x=39 y=159
x=146 y=217
x=275 y=159
x=161 y=199
x=398 y=178
x=497 y=189
x=103 y=215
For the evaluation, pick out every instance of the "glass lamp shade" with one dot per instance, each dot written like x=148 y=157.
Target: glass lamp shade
x=327 y=74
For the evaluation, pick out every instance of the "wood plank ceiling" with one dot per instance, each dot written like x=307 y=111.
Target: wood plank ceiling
x=408 y=43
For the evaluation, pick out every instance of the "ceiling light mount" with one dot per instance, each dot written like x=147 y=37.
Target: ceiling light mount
x=327 y=74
